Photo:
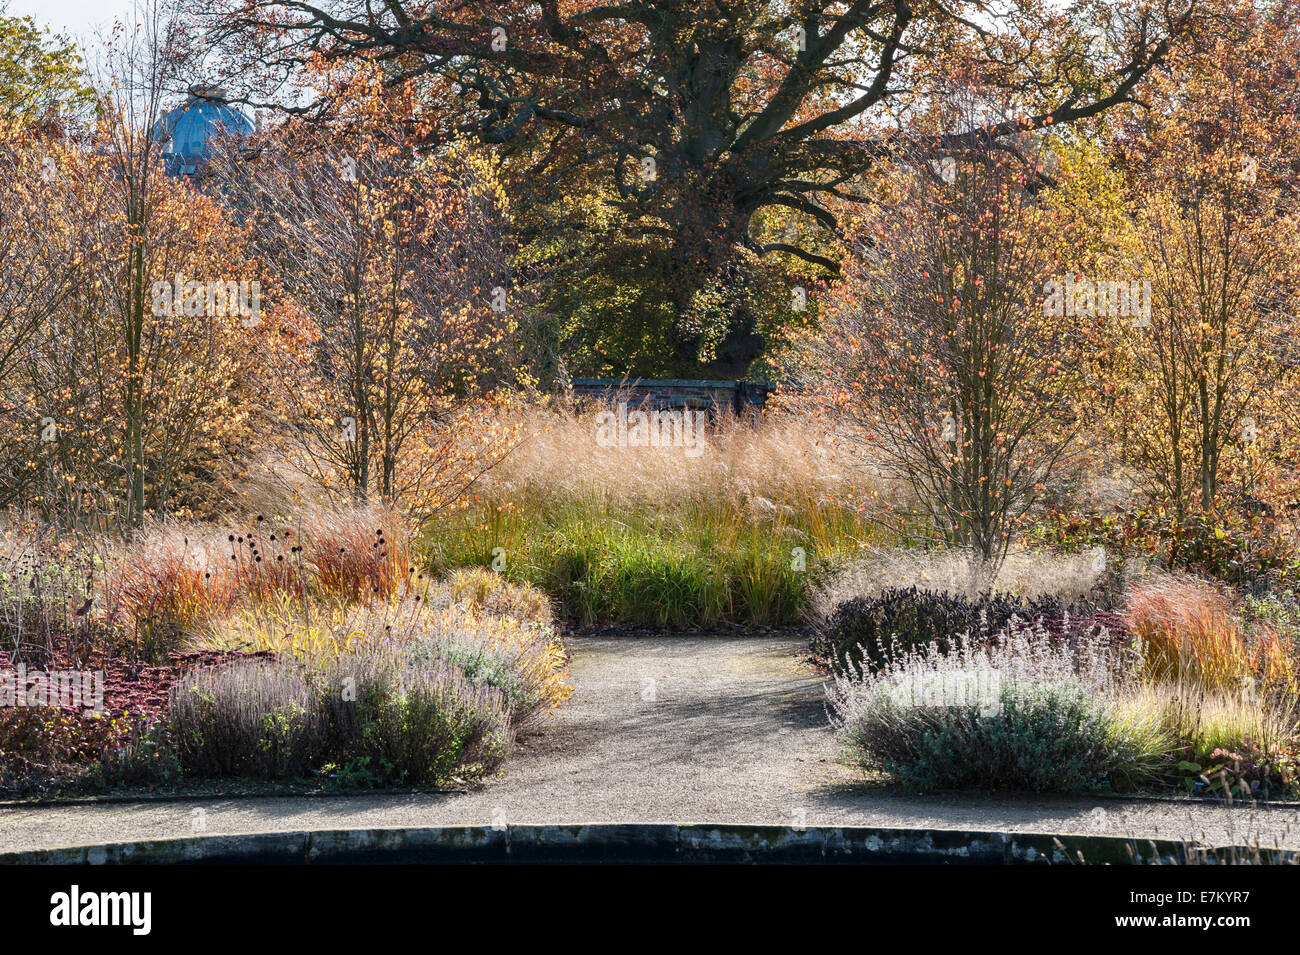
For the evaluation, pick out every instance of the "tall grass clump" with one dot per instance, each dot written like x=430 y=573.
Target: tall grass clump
x=1021 y=713
x=1025 y=574
x=483 y=592
x=1249 y=736
x=355 y=553
x=500 y=635
x=654 y=535
x=1191 y=635
x=169 y=580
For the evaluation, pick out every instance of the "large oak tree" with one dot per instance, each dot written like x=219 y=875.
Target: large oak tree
x=699 y=122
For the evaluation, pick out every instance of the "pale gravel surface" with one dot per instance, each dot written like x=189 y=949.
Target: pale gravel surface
x=665 y=729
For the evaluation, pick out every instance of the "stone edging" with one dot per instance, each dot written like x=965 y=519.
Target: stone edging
x=643 y=843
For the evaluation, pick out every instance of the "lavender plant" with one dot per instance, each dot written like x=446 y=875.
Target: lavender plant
x=405 y=722
x=1023 y=712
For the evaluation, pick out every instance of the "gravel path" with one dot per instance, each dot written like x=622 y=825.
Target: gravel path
x=665 y=729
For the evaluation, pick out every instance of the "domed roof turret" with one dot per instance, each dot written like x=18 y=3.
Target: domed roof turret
x=186 y=131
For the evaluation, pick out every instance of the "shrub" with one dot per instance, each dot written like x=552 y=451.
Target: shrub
x=483 y=666
x=144 y=758
x=875 y=629
x=1021 y=714
x=411 y=724
x=45 y=580
x=34 y=738
x=404 y=722
x=259 y=720
x=1278 y=613
x=1249 y=551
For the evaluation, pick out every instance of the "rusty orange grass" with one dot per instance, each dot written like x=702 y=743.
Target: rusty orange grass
x=179 y=577
x=1190 y=633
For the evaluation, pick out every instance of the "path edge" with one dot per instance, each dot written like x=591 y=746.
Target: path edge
x=653 y=843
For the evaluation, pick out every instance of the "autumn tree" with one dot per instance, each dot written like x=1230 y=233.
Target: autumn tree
x=144 y=61
x=687 y=124
x=945 y=342
x=36 y=277
x=131 y=388
x=1213 y=193
x=196 y=364
x=42 y=76
x=394 y=261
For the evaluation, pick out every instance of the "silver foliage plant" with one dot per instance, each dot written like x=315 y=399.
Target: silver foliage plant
x=1023 y=710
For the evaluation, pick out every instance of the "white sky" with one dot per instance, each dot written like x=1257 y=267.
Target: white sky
x=78 y=19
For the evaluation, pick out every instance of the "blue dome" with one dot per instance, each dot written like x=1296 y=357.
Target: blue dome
x=185 y=132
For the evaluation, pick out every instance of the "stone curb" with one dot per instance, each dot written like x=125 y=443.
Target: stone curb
x=644 y=843
x=35 y=804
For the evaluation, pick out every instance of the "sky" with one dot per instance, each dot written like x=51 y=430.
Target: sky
x=78 y=19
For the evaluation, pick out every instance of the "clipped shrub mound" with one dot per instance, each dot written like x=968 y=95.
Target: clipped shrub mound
x=403 y=724
x=870 y=631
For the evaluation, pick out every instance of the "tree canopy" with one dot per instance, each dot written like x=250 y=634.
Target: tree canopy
x=710 y=137
x=41 y=74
